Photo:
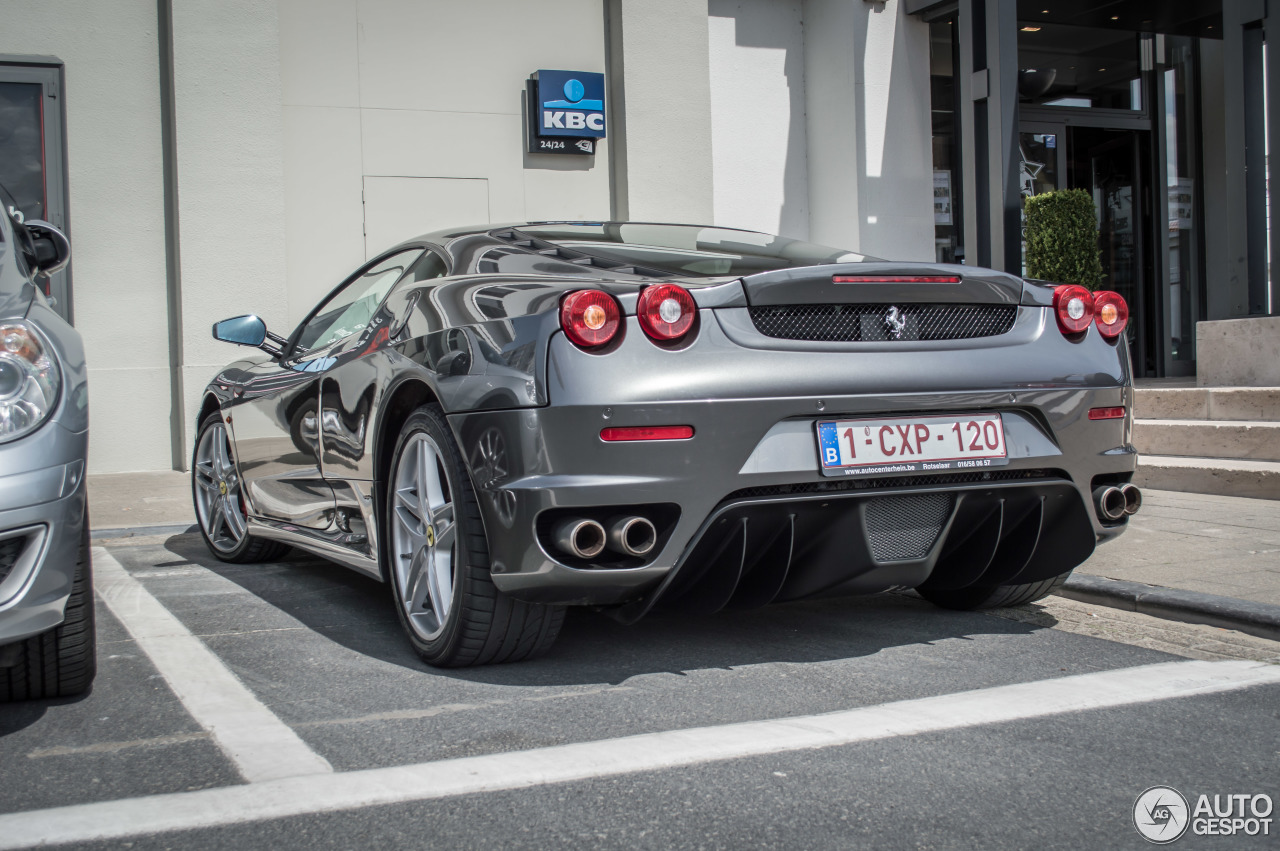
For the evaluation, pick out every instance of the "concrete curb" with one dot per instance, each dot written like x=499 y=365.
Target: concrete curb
x=1260 y=619
x=141 y=531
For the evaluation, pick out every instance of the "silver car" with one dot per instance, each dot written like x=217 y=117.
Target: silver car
x=47 y=639
x=503 y=421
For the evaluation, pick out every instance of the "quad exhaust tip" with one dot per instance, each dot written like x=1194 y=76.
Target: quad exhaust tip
x=580 y=537
x=1111 y=502
x=632 y=536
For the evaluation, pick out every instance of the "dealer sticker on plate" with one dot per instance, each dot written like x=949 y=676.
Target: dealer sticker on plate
x=910 y=444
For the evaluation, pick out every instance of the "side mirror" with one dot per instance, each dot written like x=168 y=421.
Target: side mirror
x=242 y=330
x=51 y=250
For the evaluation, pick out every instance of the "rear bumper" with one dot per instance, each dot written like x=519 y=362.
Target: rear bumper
x=748 y=481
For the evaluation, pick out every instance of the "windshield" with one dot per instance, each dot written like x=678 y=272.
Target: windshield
x=691 y=250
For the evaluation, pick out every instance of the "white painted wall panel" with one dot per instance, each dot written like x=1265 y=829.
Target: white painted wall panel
x=398 y=208
x=116 y=215
x=868 y=127
x=324 y=217
x=319 y=61
x=422 y=89
x=447 y=56
x=230 y=144
x=758 y=140
x=663 y=46
x=421 y=143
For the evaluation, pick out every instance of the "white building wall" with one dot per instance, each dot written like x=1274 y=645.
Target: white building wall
x=660 y=48
x=758 y=139
x=229 y=137
x=868 y=128
x=405 y=116
x=116 y=217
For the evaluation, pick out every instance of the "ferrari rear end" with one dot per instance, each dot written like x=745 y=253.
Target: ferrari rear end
x=713 y=443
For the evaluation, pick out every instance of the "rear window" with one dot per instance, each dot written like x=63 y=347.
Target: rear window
x=690 y=250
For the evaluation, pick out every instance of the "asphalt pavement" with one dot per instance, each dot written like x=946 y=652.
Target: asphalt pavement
x=278 y=705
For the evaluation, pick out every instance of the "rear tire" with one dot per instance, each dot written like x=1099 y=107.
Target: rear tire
x=63 y=661
x=435 y=547
x=997 y=597
x=219 y=505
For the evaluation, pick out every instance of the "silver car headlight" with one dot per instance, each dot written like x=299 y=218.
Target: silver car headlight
x=29 y=380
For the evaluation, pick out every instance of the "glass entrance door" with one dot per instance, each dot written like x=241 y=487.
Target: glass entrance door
x=1111 y=160
x=1109 y=164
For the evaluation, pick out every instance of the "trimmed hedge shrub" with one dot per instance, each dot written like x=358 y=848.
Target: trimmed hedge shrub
x=1062 y=238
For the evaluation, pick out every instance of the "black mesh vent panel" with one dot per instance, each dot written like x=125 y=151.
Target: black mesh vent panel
x=9 y=552
x=904 y=527
x=872 y=323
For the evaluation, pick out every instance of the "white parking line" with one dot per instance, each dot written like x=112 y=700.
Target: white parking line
x=261 y=745
x=654 y=751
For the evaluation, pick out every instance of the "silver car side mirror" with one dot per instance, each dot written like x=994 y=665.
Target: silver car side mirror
x=52 y=248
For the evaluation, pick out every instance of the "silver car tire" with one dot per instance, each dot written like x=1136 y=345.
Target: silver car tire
x=436 y=558
x=215 y=492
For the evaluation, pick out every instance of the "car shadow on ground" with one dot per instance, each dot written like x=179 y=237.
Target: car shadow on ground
x=356 y=612
x=20 y=714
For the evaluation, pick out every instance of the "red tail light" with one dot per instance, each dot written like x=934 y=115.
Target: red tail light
x=590 y=318
x=1110 y=313
x=666 y=312
x=646 y=433
x=1074 y=306
x=1106 y=413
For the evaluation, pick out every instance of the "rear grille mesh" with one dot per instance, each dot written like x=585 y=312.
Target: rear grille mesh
x=874 y=323
x=905 y=527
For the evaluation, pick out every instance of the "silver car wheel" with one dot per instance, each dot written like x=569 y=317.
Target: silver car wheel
x=218 y=505
x=424 y=537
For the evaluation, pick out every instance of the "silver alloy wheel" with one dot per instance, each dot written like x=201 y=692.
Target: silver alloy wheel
x=423 y=535
x=218 y=504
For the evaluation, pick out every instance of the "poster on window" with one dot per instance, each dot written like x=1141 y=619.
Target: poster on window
x=942 y=197
x=1181 y=202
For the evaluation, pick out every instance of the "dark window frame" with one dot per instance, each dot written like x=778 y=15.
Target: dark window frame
x=49 y=73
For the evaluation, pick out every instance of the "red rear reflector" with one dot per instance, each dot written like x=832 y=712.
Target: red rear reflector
x=1106 y=413
x=646 y=433
x=895 y=279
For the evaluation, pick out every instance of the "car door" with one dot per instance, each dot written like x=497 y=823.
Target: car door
x=277 y=425
x=350 y=390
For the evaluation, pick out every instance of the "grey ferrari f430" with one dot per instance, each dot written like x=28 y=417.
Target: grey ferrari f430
x=500 y=422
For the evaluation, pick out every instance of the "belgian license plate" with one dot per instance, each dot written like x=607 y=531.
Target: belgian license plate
x=910 y=444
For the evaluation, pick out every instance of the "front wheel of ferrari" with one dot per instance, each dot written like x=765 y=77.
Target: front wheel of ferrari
x=438 y=559
x=220 y=508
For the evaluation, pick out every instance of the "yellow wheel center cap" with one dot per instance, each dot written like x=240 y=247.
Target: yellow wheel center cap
x=431 y=536
x=222 y=488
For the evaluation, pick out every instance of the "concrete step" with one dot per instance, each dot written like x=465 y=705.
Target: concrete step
x=1207 y=403
x=1257 y=479
x=1240 y=439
